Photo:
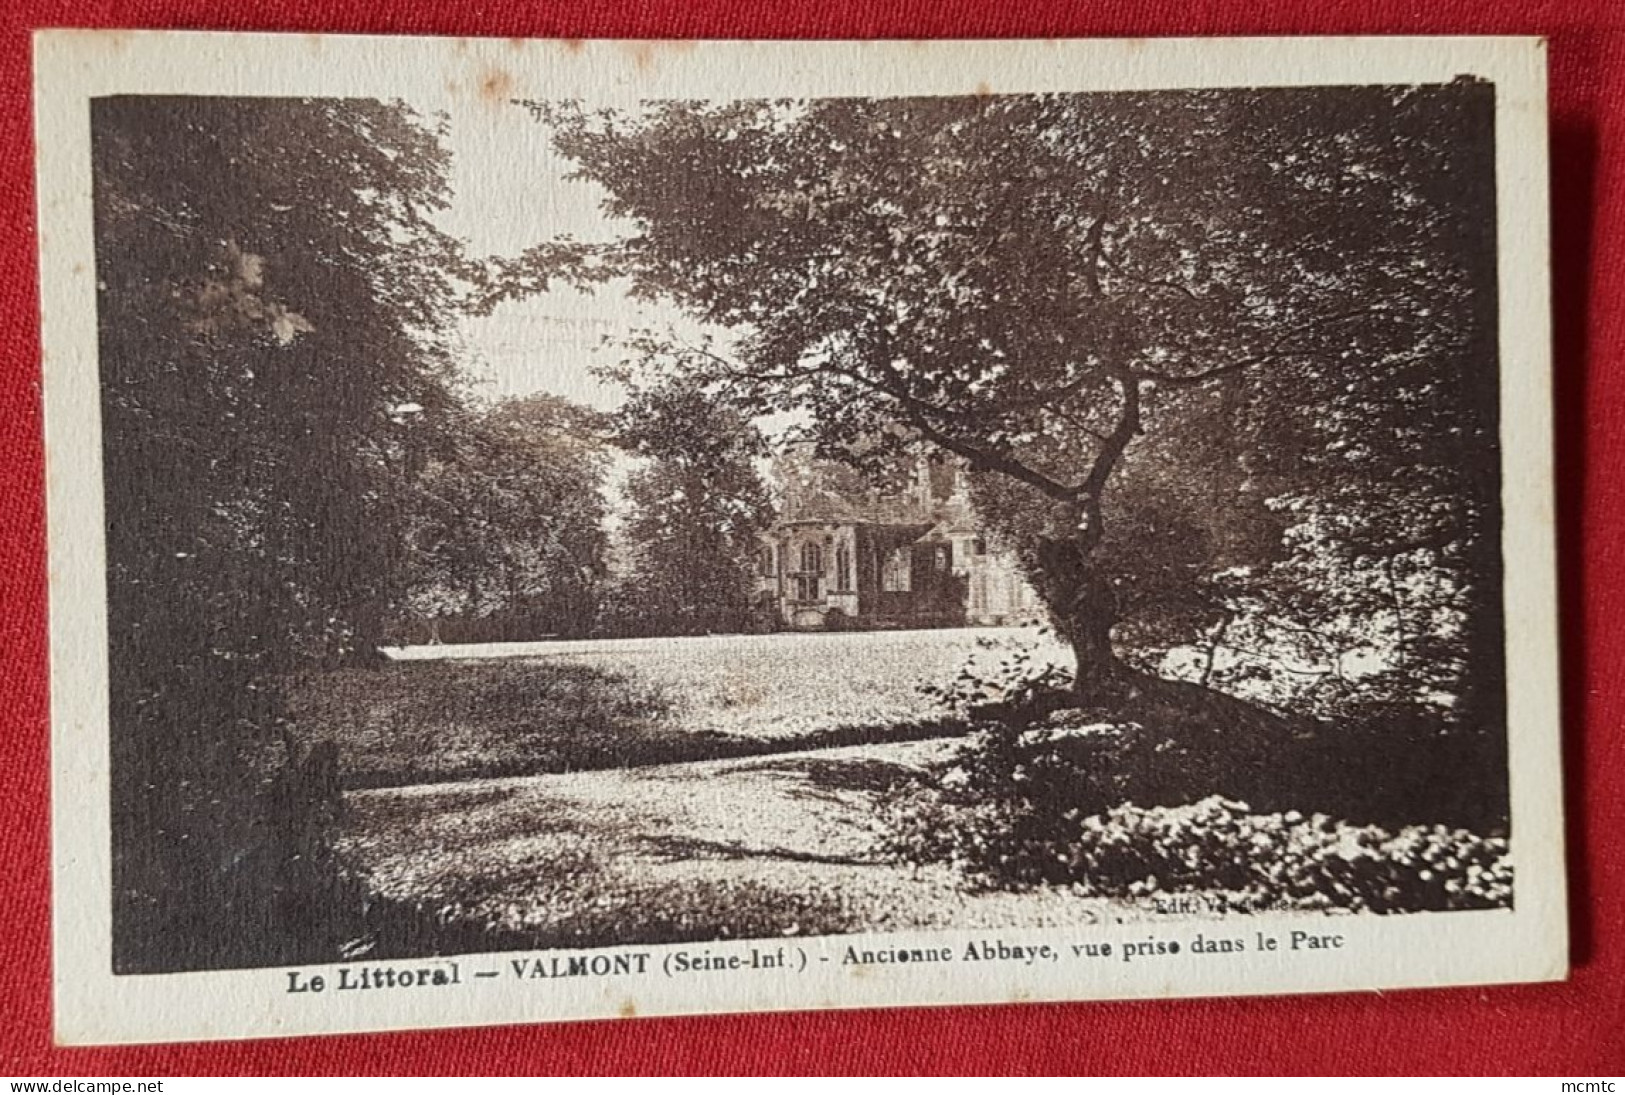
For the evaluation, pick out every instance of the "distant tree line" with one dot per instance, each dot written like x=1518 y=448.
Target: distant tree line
x=696 y=507
x=509 y=535
x=506 y=538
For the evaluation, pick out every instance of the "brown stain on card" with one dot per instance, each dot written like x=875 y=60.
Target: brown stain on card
x=497 y=85
x=984 y=89
x=645 y=54
x=628 y=1010
x=573 y=45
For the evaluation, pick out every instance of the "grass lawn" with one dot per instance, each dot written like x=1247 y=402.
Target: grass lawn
x=582 y=706
x=753 y=848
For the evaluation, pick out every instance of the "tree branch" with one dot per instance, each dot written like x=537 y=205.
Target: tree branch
x=1154 y=283
x=1275 y=352
x=1117 y=442
x=917 y=413
x=987 y=460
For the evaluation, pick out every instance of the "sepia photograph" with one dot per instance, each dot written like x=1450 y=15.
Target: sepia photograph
x=612 y=529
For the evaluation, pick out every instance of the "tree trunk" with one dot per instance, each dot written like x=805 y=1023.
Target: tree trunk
x=1083 y=607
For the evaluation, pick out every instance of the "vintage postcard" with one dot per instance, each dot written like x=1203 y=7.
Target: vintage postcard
x=557 y=530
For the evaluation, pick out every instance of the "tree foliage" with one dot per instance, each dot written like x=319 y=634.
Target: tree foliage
x=270 y=285
x=506 y=540
x=697 y=505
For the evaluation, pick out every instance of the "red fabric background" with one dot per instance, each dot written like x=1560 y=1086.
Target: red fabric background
x=1576 y=1028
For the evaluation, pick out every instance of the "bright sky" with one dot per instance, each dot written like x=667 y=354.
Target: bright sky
x=510 y=192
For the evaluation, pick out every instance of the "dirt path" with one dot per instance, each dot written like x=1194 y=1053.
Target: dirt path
x=780 y=845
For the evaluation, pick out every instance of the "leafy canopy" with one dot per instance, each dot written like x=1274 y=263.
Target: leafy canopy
x=1030 y=281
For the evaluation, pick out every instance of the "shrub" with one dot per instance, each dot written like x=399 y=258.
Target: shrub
x=1218 y=847
x=1168 y=743
x=1071 y=797
x=1286 y=860
x=1402 y=764
x=1046 y=792
x=1016 y=690
x=1006 y=787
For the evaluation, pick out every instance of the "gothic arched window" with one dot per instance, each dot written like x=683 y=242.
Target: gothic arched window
x=894 y=576
x=809 y=578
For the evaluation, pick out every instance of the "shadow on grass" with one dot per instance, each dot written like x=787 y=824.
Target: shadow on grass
x=693 y=911
x=461 y=868
x=414 y=723
x=855 y=774
x=689 y=848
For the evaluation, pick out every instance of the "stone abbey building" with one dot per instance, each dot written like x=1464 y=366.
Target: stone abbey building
x=858 y=559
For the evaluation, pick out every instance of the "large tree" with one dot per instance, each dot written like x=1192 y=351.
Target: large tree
x=271 y=291
x=1176 y=334
x=506 y=539
x=697 y=505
